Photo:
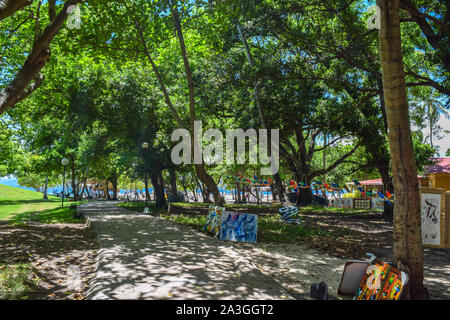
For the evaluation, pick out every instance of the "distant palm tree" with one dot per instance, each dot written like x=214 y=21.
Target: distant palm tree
x=433 y=107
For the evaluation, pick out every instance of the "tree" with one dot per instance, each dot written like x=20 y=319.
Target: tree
x=423 y=151
x=9 y=7
x=149 y=30
x=434 y=24
x=19 y=87
x=200 y=168
x=432 y=107
x=408 y=252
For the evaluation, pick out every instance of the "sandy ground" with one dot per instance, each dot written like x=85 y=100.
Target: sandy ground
x=143 y=257
x=206 y=268
x=296 y=267
x=62 y=256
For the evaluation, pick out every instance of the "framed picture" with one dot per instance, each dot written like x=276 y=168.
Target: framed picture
x=432 y=206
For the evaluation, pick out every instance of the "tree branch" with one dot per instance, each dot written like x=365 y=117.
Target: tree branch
x=9 y=7
x=31 y=88
x=35 y=61
x=336 y=163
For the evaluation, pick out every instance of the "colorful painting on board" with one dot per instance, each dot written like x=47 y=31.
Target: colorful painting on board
x=241 y=227
x=431 y=218
x=343 y=203
x=362 y=204
x=381 y=282
x=378 y=203
x=214 y=220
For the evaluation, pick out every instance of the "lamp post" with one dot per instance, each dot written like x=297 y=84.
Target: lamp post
x=145 y=147
x=64 y=162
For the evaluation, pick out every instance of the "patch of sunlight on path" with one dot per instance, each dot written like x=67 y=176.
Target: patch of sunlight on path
x=143 y=257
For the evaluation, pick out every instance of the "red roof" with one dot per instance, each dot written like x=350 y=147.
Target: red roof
x=441 y=165
x=375 y=182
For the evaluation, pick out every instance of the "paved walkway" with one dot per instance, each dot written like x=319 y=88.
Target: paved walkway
x=143 y=257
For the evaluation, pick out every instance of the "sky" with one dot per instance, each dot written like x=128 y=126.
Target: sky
x=445 y=142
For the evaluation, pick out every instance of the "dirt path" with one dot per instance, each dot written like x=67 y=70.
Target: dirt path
x=296 y=266
x=372 y=233
x=62 y=257
x=143 y=257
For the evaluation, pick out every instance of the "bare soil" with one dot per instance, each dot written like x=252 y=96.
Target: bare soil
x=350 y=237
x=54 y=251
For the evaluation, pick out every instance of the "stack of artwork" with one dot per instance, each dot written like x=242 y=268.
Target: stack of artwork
x=232 y=226
x=289 y=215
x=378 y=203
x=381 y=282
x=350 y=203
x=344 y=203
x=214 y=221
x=362 y=204
x=372 y=280
x=241 y=227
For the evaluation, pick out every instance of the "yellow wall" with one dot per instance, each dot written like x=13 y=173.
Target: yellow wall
x=440 y=180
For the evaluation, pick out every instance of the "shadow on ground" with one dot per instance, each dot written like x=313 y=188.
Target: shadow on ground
x=51 y=249
x=143 y=257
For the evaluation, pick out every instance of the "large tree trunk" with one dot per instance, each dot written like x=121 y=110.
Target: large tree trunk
x=147 y=192
x=45 y=188
x=408 y=251
x=173 y=184
x=305 y=194
x=107 y=195
x=238 y=198
x=114 y=185
x=199 y=168
x=160 y=200
x=388 y=211
x=161 y=183
x=74 y=178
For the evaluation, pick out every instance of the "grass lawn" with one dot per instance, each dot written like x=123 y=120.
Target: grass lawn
x=15 y=281
x=139 y=207
x=236 y=206
x=18 y=205
x=270 y=227
x=330 y=210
